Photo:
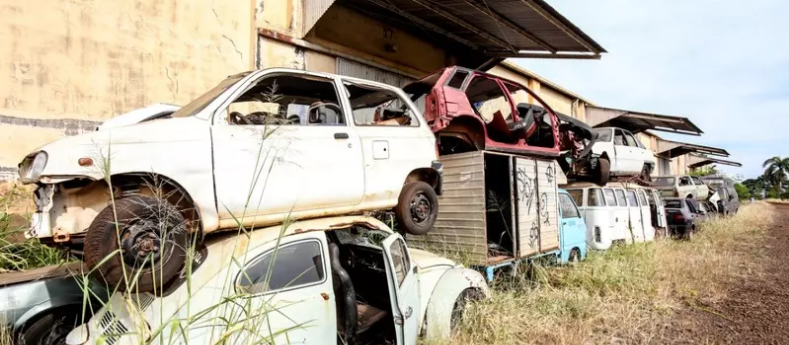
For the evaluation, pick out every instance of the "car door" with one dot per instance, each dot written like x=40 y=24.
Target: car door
x=275 y=291
x=624 y=155
x=395 y=140
x=639 y=153
x=635 y=223
x=646 y=215
x=303 y=157
x=660 y=209
x=403 y=282
x=573 y=229
x=702 y=191
x=621 y=215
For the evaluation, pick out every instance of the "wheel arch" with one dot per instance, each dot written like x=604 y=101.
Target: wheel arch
x=438 y=314
x=428 y=175
x=469 y=128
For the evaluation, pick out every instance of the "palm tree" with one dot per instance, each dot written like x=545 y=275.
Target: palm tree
x=776 y=170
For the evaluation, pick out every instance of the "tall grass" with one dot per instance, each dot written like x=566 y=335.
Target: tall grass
x=624 y=295
x=16 y=252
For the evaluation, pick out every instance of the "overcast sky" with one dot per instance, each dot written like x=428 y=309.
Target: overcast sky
x=723 y=64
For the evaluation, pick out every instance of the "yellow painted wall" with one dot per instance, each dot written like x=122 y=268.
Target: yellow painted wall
x=92 y=60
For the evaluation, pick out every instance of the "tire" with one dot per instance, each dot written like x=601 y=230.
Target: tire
x=460 y=306
x=603 y=173
x=51 y=328
x=645 y=174
x=142 y=222
x=417 y=208
x=575 y=257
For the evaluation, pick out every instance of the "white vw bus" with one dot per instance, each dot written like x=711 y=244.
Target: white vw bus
x=617 y=212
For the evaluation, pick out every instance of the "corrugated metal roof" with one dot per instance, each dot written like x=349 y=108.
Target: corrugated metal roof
x=498 y=28
x=671 y=149
x=636 y=121
x=705 y=160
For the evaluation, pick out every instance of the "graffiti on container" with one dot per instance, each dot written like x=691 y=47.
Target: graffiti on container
x=544 y=208
x=534 y=235
x=525 y=188
x=549 y=174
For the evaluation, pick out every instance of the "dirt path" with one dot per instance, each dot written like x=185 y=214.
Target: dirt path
x=756 y=310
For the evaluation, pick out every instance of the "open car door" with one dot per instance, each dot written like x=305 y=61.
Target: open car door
x=403 y=289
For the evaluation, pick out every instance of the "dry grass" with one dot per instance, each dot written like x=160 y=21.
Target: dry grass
x=624 y=295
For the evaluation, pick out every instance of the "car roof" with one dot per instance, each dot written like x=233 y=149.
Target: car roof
x=622 y=185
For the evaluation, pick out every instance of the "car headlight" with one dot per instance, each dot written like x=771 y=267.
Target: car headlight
x=32 y=166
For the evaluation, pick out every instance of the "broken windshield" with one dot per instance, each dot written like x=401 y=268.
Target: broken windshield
x=203 y=101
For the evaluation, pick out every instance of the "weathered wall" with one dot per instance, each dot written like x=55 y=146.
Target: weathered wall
x=68 y=59
x=555 y=99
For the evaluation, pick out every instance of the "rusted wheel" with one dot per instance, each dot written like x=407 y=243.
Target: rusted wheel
x=417 y=208
x=152 y=237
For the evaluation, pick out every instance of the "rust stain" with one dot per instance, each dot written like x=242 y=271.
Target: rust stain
x=325 y=296
x=276 y=35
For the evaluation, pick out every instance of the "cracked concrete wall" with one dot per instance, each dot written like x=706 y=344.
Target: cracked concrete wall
x=67 y=64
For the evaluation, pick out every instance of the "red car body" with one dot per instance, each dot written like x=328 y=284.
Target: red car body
x=451 y=114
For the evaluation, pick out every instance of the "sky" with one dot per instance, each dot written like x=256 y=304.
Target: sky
x=723 y=64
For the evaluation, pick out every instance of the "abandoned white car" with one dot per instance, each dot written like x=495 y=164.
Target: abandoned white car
x=340 y=280
x=622 y=154
x=258 y=148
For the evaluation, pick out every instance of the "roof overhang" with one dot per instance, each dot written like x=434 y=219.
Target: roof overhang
x=671 y=149
x=636 y=122
x=701 y=160
x=494 y=29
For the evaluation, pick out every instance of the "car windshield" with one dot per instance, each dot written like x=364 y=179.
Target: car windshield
x=203 y=101
x=603 y=134
x=664 y=182
x=673 y=203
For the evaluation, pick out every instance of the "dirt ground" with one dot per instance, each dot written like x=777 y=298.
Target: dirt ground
x=756 y=310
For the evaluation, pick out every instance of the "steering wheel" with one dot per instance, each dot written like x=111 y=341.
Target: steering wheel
x=238 y=119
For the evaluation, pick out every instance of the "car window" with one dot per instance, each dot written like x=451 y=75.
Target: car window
x=610 y=199
x=596 y=197
x=291 y=266
x=642 y=198
x=288 y=100
x=400 y=260
x=371 y=106
x=620 y=197
x=569 y=210
x=664 y=182
x=631 y=141
x=603 y=134
x=651 y=197
x=457 y=79
x=632 y=199
x=672 y=203
x=204 y=100
x=487 y=99
x=577 y=195
x=696 y=180
x=685 y=181
x=619 y=138
x=692 y=205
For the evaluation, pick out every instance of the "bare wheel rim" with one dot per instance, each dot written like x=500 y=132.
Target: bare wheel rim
x=421 y=207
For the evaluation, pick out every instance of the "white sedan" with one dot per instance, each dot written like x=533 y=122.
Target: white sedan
x=339 y=280
x=622 y=154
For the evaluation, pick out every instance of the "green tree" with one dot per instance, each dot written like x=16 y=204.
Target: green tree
x=704 y=171
x=776 y=170
x=742 y=191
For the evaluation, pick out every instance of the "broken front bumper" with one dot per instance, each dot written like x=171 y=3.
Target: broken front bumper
x=62 y=212
x=41 y=222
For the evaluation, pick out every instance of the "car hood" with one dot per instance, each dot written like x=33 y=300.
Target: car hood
x=426 y=260
x=151 y=112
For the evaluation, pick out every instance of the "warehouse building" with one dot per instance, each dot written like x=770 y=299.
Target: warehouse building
x=93 y=60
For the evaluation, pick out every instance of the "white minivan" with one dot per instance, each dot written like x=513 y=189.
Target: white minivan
x=613 y=213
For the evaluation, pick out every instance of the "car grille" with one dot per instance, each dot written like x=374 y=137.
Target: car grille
x=111 y=327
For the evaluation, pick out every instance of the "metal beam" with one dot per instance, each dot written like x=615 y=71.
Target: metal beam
x=550 y=18
x=508 y=23
x=425 y=24
x=542 y=56
x=484 y=34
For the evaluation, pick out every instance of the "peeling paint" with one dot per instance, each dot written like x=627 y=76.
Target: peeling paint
x=70 y=126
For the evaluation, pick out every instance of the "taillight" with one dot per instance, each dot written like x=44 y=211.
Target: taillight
x=678 y=217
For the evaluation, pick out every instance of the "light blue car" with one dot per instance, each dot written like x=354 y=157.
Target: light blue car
x=572 y=235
